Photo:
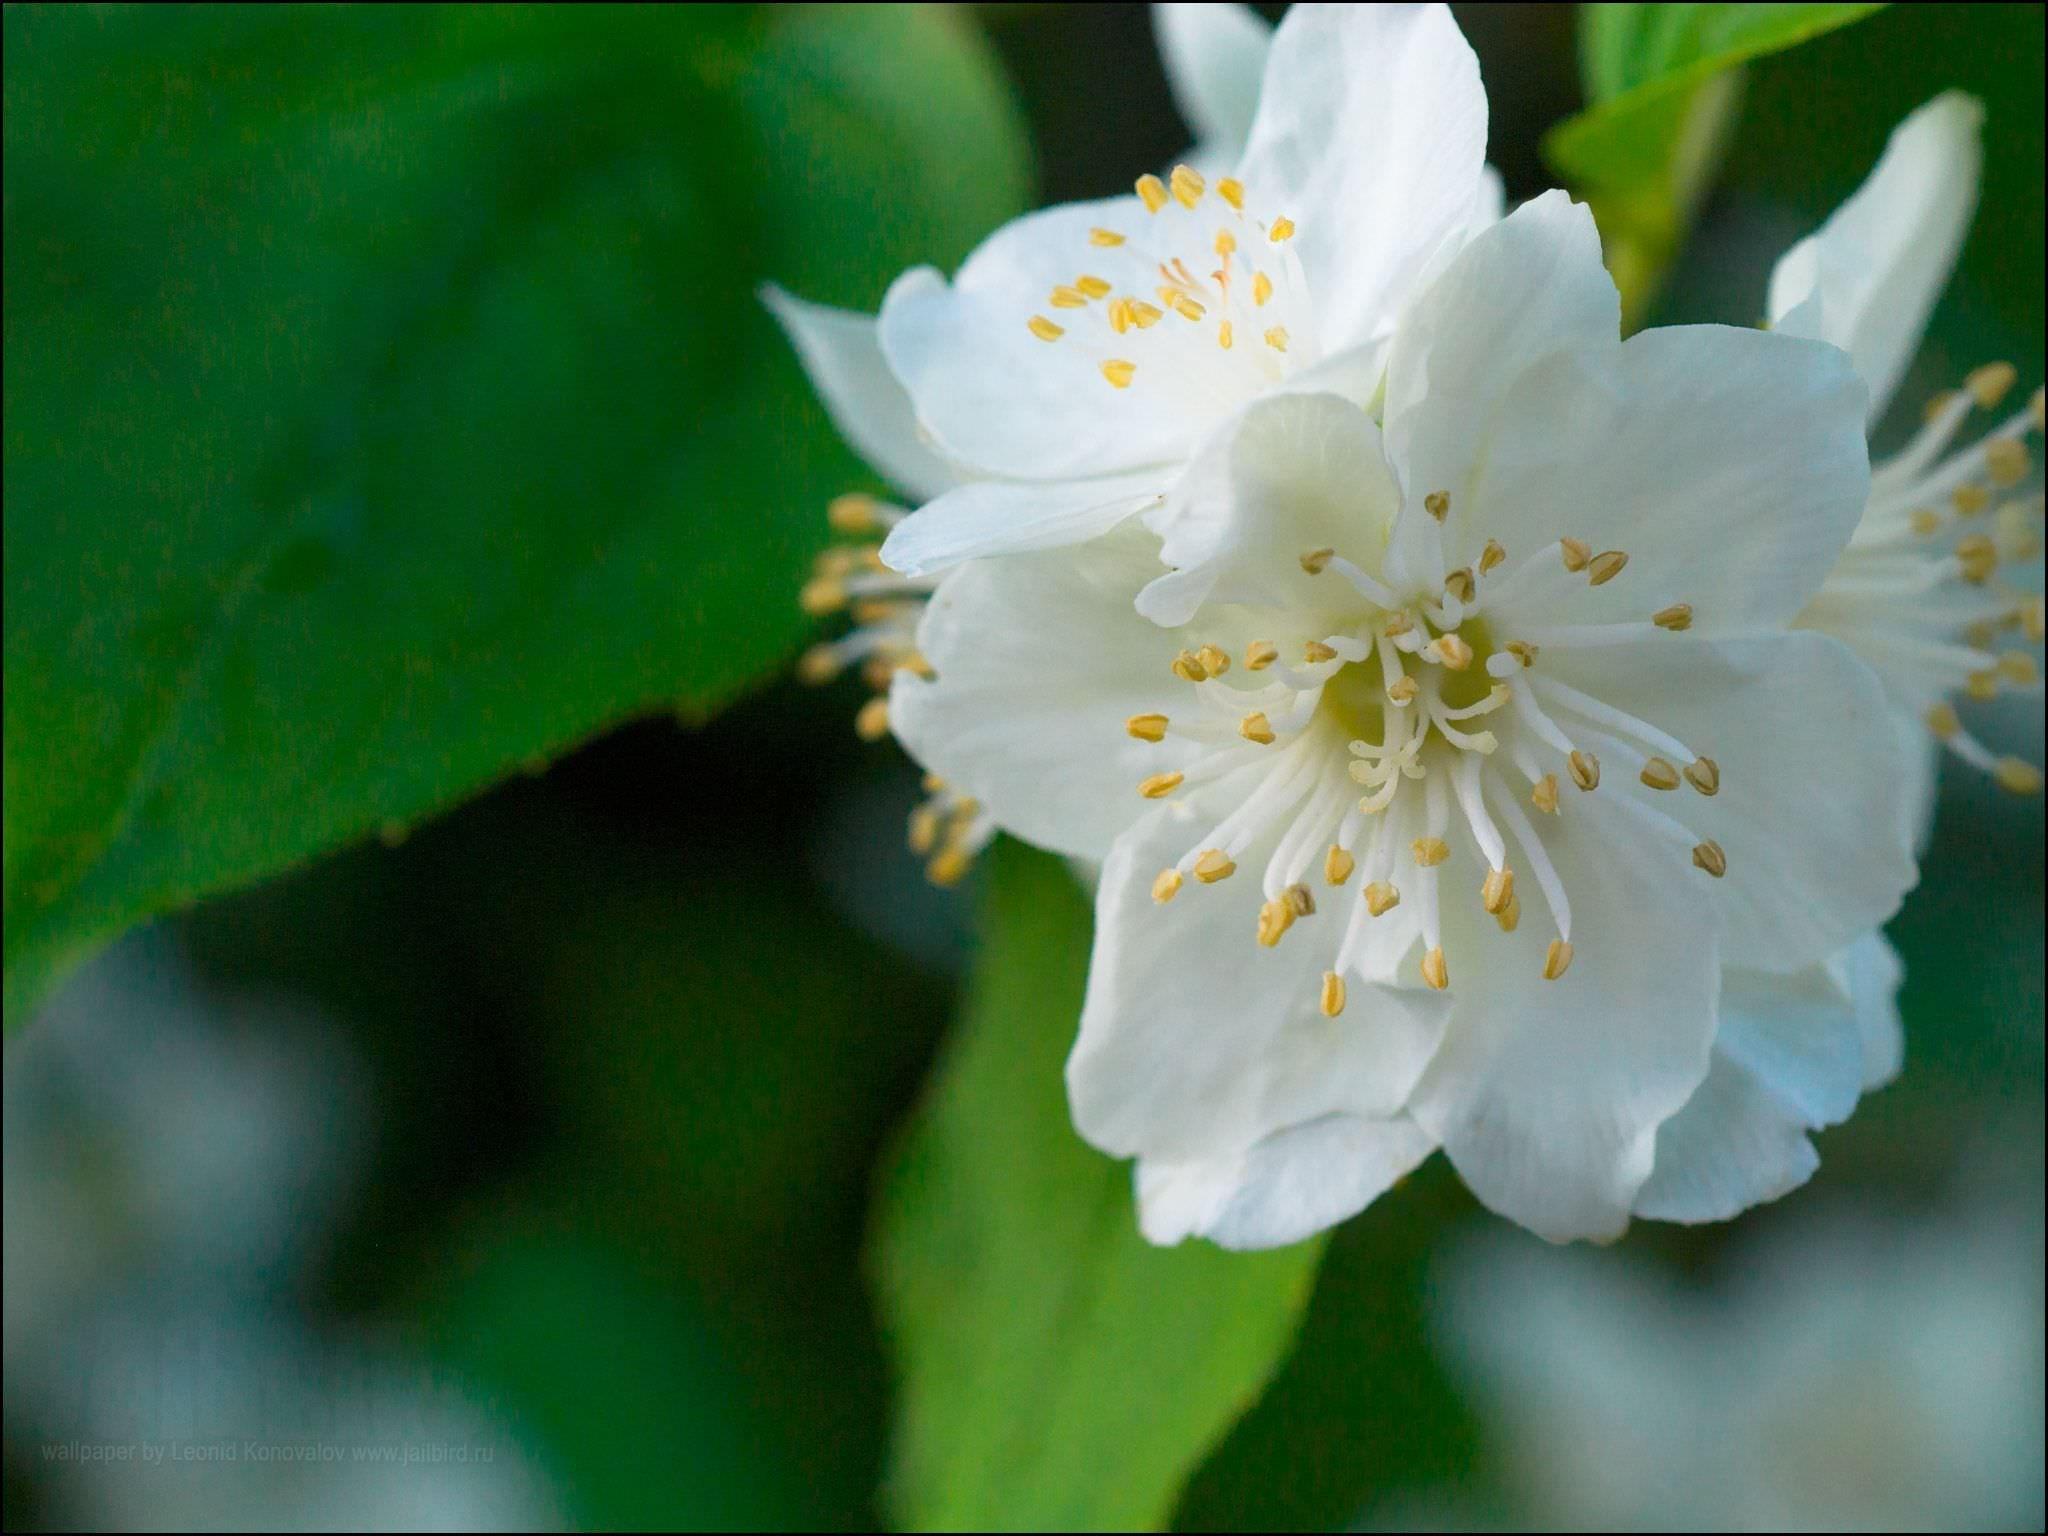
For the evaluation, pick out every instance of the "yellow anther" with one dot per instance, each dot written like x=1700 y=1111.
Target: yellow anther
x=1969 y=499
x=1659 y=774
x=1144 y=316
x=950 y=863
x=2036 y=412
x=1435 y=971
x=1381 y=898
x=1166 y=885
x=1982 y=686
x=1543 y=793
x=1224 y=335
x=1584 y=768
x=1119 y=372
x=1104 y=238
x=1577 y=553
x=1316 y=651
x=932 y=784
x=2018 y=776
x=821 y=595
x=1988 y=385
x=1186 y=307
x=1511 y=918
x=1497 y=890
x=1402 y=690
x=2033 y=618
x=1119 y=313
x=1437 y=504
x=872 y=723
x=1338 y=864
x=1460 y=585
x=1332 y=1000
x=1983 y=634
x=1924 y=521
x=2005 y=459
x=1491 y=556
x=1152 y=192
x=1260 y=654
x=1231 y=190
x=1256 y=727
x=1147 y=727
x=1064 y=297
x=852 y=513
x=1226 y=243
x=1397 y=624
x=1276 y=338
x=1188 y=185
x=1677 y=617
x=1316 y=561
x=1213 y=865
x=1160 y=785
x=1214 y=659
x=1045 y=330
x=1301 y=901
x=1704 y=775
x=874 y=610
x=1708 y=856
x=1275 y=918
x=1429 y=851
x=1282 y=228
x=820 y=664
x=2019 y=667
x=1094 y=287
x=1522 y=651
x=1456 y=653
x=1605 y=567
x=1941 y=719
x=1937 y=403
x=1262 y=290
x=925 y=825
x=1556 y=960
x=1978 y=557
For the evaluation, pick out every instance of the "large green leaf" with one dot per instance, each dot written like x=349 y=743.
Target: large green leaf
x=1055 y=1371
x=387 y=404
x=1664 y=83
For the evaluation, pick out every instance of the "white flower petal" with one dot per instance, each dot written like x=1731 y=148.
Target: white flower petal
x=1371 y=134
x=1812 y=779
x=1734 y=1145
x=1869 y=278
x=1197 y=1042
x=1728 y=465
x=1215 y=57
x=1287 y=1187
x=1797 y=1035
x=841 y=352
x=1870 y=968
x=1004 y=517
x=1039 y=662
x=1547 y=1095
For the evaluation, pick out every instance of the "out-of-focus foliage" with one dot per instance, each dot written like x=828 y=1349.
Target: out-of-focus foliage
x=1663 y=88
x=1055 y=1371
x=387 y=404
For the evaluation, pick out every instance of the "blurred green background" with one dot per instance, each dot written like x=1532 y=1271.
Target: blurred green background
x=550 y=1126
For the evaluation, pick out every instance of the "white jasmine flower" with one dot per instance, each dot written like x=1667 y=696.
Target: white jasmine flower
x=1918 y=592
x=1467 y=748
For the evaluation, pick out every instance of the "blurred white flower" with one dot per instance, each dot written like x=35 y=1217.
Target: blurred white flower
x=1526 y=635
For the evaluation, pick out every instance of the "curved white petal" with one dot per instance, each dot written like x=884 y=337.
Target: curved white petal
x=1729 y=466
x=1868 y=278
x=842 y=353
x=1004 y=517
x=1871 y=970
x=1371 y=134
x=1547 y=1095
x=1287 y=1187
x=1197 y=1042
x=1810 y=810
x=1039 y=661
x=1215 y=57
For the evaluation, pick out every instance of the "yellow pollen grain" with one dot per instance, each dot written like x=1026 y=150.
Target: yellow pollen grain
x=1226 y=242
x=1260 y=654
x=1160 y=785
x=932 y=784
x=1429 y=851
x=1708 y=856
x=2033 y=618
x=1119 y=313
x=1941 y=719
x=1338 y=864
x=1045 y=330
x=1437 y=504
x=1456 y=653
x=1064 y=297
x=1675 y=618
x=2018 y=667
x=1282 y=229
x=1256 y=727
x=1982 y=686
x=1522 y=651
x=1585 y=770
x=1262 y=290
x=1577 y=553
x=1231 y=190
x=1332 y=1000
x=1435 y=971
x=851 y=513
x=1937 y=403
x=1316 y=561
x=1969 y=499
x=1381 y=898
x=1152 y=192
x=1213 y=865
x=1119 y=372
x=948 y=866
x=1166 y=885
x=1094 y=287
x=1276 y=338
x=872 y=723
x=820 y=596
x=1402 y=690
x=1704 y=775
x=1556 y=960
x=1497 y=890
x=1301 y=901
x=820 y=664
x=1605 y=567
x=1147 y=727
x=1491 y=556
x=1988 y=385
x=1543 y=794
x=1144 y=316
x=1214 y=659
x=2037 y=411
x=1510 y=918
x=2017 y=776
x=1106 y=238
x=1189 y=669
x=1275 y=918
x=1978 y=557
x=924 y=830
x=1186 y=307
x=2005 y=459
x=1659 y=774
x=1460 y=585
x=1315 y=651
x=1188 y=185
x=1924 y=521
x=1224 y=335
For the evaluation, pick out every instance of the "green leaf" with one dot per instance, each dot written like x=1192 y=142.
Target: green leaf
x=388 y=405
x=1056 y=1371
x=1665 y=84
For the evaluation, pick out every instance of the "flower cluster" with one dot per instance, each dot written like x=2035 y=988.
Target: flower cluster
x=1495 y=735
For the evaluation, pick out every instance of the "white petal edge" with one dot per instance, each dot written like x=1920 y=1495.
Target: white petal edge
x=1215 y=58
x=1009 y=517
